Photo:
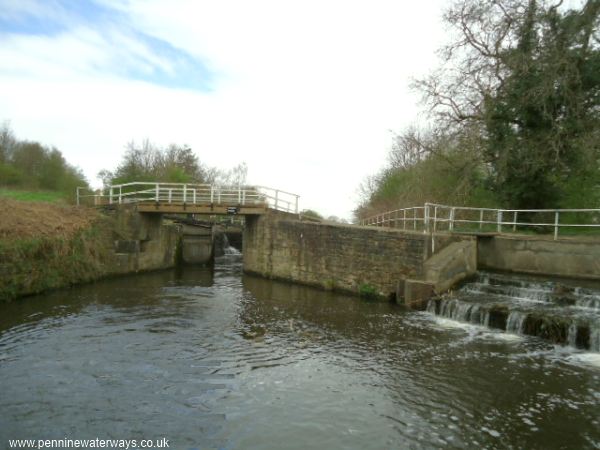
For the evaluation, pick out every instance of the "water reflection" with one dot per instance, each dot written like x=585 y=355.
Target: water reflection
x=221 y=360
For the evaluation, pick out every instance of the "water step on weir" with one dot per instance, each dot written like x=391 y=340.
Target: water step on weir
x=557 y=311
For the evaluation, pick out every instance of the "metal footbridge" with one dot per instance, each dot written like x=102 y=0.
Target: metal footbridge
x=191 y=198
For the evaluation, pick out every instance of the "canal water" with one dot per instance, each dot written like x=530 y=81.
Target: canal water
x=211 y=358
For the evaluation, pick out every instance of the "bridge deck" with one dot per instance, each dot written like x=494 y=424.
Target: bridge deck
x=193 y=198
x=195 y=208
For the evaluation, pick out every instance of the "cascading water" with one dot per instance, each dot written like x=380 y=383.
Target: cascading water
x=548 y=309
x=228 y=249
x=515 y=321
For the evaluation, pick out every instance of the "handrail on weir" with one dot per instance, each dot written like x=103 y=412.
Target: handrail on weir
x=434 y=217
x=190 y=193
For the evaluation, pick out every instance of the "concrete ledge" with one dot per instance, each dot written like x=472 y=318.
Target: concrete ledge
x=564 y=258
x=451 y=265
x=417 y=294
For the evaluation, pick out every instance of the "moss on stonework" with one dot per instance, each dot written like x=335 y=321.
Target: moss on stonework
x=368 y=292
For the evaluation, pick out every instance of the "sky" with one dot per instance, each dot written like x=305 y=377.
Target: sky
x=307 y=93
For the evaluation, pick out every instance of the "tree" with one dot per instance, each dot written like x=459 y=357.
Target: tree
x=7 y=143
x=526 y=75
x=311 y=214
x=447 y=169
x=235 y=176
x=31 y=165
x=147 y=162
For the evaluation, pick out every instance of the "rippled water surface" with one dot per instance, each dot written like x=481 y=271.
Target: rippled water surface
x=220 y=360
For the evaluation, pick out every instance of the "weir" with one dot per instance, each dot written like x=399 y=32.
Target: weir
x=558 y=311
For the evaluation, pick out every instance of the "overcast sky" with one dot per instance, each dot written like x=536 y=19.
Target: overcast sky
x=305 y=92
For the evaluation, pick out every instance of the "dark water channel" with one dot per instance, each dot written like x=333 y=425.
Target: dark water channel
x=220 y=360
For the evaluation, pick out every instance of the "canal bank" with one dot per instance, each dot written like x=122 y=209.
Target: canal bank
x=44 y=247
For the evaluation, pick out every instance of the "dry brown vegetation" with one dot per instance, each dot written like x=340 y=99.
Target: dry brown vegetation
x=22 y=220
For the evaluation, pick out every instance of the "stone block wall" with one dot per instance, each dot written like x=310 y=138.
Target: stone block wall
x=338 y=257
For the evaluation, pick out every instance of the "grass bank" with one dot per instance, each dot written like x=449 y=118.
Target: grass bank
x=47 y=245
x=33 y=196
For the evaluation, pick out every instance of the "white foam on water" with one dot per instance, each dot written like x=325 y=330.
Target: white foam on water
x=443 y=322
x=231 y=251
x=475 y=331
x=567 y=355
x=509 y=337
x=589 y=359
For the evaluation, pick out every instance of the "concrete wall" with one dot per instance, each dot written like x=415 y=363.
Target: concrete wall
x=197 y=245
x=338 y=257
x=141 y=242
x=566 y=258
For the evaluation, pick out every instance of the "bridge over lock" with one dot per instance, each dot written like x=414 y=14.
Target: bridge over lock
x=432 y=246
x=187 y=198
x=414 y=255
x=141 y=206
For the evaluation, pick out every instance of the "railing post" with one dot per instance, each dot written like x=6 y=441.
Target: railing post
x=480 y=219
x=426 y=219
x=219 y=196
x=404 y=220
x=194 y=195
x=296 y=204
x=499 y=221
x=212 y=193
x=239 y=195
x=515 y=221
x=414 y=218
x=120 y=194
x=110 y=196
x=556 y=214
x=77 y=190
x=157 y=193
x=170 y=195
x=434 y=218
x=452 y=212
x=184 y=193
x=276 y=198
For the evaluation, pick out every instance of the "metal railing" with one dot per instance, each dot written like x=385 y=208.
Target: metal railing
x=434 y=217
x=188 y=193
x=405 y=218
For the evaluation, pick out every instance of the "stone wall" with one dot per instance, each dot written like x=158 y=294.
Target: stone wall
x=339 y=257
x=141 y=242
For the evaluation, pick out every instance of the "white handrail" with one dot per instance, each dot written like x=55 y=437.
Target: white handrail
x=190 y=193
x=452 y=217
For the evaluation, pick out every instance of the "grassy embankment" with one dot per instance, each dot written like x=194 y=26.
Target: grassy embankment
x=47 y=244
x=33 y=196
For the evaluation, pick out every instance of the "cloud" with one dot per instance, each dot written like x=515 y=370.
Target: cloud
x=88 y=39
x=304 y=92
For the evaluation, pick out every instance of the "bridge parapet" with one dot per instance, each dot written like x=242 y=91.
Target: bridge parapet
x=198 y=198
